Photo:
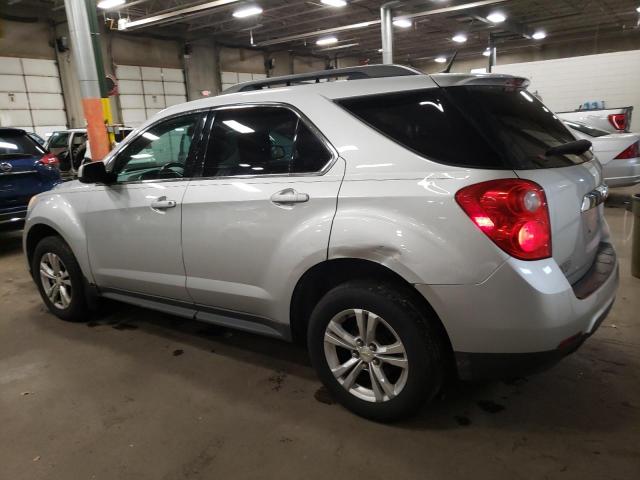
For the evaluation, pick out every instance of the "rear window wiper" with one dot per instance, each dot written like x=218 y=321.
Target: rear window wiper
x=576 y=147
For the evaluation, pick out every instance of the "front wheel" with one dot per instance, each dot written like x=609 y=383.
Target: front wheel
x=375 y=351
x=59 y=279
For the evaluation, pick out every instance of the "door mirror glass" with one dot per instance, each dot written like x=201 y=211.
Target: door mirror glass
x=94 y=172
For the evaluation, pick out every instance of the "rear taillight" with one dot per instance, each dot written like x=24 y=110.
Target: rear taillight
x=632 y=151
x=511 y=212
x=50 y=160
x=618 y=120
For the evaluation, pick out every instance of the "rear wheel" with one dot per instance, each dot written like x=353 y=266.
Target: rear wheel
x=375 y=351
x=59 y=279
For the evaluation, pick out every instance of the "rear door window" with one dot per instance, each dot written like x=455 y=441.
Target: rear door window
x=480 y=127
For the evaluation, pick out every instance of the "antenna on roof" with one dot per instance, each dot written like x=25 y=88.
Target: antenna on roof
x=450 y=64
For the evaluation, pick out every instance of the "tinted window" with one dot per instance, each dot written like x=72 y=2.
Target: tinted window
x=14 y=144
x=483 y=127
x=59 y=140
x=161 y=152
x=262 y=140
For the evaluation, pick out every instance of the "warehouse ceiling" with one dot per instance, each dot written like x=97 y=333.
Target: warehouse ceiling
x=429 y=27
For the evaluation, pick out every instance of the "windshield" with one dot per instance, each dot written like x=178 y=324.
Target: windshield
x=471 y=126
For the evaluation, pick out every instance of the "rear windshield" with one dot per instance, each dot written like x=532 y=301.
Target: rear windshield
x=586 y=129
x=18 y=145
x=480 y=127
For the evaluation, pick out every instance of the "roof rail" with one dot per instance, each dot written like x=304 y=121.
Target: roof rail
x=348 y=73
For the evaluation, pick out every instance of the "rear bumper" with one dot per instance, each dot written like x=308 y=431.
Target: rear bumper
x=12 y=218
x=525 y=317
x=622 y=173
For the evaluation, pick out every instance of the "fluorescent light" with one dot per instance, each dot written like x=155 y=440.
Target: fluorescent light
x=496 y=17
x=105 y=4
x=402 y=22
x=379 y=50
x=248 y=11
x=238 y=127
x=487 y=52
x=539 y=35
x=142 y=155
x=334 y=3
x=440 y=59
x=638 y=9
x=459 y=38
x=327 y=41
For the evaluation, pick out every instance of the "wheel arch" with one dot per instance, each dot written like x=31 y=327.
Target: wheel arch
x=323 y=276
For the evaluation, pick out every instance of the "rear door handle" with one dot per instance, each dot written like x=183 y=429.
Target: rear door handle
x=289 y=195
x=162 y=203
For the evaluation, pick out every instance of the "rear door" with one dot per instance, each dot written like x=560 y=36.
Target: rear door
x=261 y=213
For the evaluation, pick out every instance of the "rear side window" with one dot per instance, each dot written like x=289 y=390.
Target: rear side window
x=262 y=141
x=481 y=127
x=14 y=144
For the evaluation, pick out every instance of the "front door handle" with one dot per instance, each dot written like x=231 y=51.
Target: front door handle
x=161 y=203
x=289 y=195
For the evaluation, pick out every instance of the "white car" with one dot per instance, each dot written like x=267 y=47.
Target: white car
x=619 y=153
x=611 y=120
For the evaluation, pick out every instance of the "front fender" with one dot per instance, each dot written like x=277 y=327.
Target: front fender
x=62 y=212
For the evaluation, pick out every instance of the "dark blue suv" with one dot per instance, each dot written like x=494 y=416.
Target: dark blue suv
x=26 y=169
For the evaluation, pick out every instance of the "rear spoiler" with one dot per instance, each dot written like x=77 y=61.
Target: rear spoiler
x=480 y=79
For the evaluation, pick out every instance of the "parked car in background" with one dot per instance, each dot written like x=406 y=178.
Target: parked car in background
x=619 y=153
x=404 y=226
x=612 y=120
x=26 y=169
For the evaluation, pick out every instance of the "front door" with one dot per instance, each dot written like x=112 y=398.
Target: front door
x=134 y=225
x=261 y=215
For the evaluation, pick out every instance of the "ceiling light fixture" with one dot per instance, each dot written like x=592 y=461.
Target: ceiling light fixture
x=402 y=22
x=496 y=17
x=486 y=52
x=459 y=38
x=106 y=4
x=248 y=11
x=440 y=59
x=334 y=3
x=326 y=41
x=539 y=35
x=638 y=9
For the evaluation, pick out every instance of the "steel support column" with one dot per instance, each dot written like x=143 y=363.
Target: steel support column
x=82 y=48
x=386 y=28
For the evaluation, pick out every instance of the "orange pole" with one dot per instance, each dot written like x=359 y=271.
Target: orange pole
x=96 y=129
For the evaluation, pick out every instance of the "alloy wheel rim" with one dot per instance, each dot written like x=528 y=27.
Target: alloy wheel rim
x=55 y=280
x=366 y=355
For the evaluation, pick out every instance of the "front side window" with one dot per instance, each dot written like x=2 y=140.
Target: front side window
x=261 y=141
x=159 y=153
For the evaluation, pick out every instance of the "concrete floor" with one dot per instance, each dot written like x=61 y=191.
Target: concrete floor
x=139 y=395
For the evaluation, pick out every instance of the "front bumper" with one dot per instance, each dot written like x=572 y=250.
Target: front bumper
x=525 y=316
x=622 y=173
x=13 y=218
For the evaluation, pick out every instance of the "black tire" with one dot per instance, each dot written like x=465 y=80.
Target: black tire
x=77 y=310
x=423 y=344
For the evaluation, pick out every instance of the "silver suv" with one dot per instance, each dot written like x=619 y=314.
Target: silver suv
x=404 y=226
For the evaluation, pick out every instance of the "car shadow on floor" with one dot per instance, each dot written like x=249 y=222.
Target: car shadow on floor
x=10 y=242
x=575 y=394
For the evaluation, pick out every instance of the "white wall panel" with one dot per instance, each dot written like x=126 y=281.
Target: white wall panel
x=174 y=99
x=229 y=77
x=154 y=101
x=12 y=83
x=172 y=75
x=131 y=101
x=14 y=118
x=151 y=73
x=43 y=84
x=565 y=83
x=244 y=77
x=174 y=88
x=133 y=117
x=152 y=111
x=10 y=65
x=48 y=117
x=128 y=72
x=152 y=87
x=43 y=68
x=45 y=130
x=46 y=101
x=129 y=86
x=13 y=101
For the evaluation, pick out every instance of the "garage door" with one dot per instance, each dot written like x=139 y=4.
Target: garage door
x=144 y=91
x=231 y=78
x=31 y=95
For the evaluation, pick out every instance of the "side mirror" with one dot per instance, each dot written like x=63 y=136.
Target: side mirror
x=94 y=172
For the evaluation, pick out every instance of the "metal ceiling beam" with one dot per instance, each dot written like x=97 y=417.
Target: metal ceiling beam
x=371 y=23
x=158 y=19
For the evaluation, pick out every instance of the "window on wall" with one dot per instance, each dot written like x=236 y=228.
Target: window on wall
x=161 y=152
x=262 y=141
